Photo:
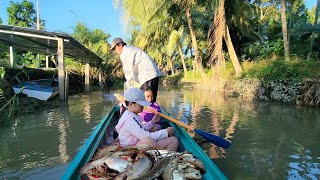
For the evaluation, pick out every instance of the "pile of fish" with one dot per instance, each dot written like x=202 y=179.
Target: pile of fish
x=141 y=162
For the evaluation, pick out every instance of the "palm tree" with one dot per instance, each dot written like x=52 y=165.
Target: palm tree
x=149 y=24
x=175 y=41
x=186 y=5
x=218 y=32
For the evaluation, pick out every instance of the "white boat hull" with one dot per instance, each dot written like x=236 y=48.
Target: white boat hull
x=36 y=94
x=41 y=89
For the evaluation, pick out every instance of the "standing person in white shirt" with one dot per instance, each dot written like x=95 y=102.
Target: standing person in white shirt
x=138 y=66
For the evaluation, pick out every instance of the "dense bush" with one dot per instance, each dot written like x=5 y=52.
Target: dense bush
x=279 y=69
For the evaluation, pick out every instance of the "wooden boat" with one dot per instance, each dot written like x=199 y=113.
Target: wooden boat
x=42 y=89
x=103 y=135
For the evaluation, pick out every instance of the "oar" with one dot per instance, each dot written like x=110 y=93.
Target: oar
x=217 y=140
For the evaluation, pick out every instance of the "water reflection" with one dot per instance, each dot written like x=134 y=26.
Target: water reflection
x=264 y=135
x=86 y=109
x=304 y=163
x=39 y=143
x=62 y=142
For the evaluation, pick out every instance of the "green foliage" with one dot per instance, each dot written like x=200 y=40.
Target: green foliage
x=191 y=76
x=12 y=104
x=280 y=69
x=1 y=21
x=311 y=15
x=4 y=54
x=2 y=72
x=95 y=40
x=27 y=59
x=260 y=50
x=21 y=14
x=7 y=107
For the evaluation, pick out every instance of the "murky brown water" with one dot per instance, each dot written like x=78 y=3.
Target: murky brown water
x=269 y=140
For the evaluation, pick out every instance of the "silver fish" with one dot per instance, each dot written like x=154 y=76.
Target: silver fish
x=156 y=170
x=138 y=168
x=117 y=164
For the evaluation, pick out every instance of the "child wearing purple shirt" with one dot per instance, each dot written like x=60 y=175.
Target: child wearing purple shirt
x=146 y=115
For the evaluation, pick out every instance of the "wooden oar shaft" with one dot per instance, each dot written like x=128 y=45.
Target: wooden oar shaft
x=170 y=119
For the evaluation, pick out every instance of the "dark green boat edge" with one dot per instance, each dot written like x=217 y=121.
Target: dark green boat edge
x=89 y=148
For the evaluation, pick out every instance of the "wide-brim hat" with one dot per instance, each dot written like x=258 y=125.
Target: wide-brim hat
x=114 y=42
x=136 y=95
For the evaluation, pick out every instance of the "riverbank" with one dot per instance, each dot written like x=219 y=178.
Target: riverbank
x=294 y=82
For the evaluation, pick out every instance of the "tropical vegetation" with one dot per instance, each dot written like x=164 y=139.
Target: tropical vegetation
x=201 y=40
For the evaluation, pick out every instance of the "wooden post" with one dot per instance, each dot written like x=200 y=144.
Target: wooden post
x=61 y=71
x=11 y=56
x=47 y=61
x=87 y=77
x=66 y=86
x=100 y=78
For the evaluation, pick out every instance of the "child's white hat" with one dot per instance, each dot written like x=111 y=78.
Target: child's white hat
x=136 y=95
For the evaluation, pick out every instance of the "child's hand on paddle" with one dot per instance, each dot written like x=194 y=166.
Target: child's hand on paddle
x=156 y=118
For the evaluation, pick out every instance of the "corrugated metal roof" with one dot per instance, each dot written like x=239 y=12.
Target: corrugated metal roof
x=45 y=42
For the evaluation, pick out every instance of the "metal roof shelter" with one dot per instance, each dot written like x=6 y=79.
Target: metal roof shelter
x=50 y=43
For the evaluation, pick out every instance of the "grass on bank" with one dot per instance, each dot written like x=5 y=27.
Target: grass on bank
x=276 y=69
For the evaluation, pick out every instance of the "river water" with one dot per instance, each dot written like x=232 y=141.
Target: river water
x=269 y=140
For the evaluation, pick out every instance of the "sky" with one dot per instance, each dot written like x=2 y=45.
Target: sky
x=62 y=15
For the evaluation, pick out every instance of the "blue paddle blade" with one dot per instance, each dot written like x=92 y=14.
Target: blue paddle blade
x=214 y=139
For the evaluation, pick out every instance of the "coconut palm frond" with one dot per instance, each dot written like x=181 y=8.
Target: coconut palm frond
x=172 y=42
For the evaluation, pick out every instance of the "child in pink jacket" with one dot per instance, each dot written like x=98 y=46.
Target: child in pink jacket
x=132 y=131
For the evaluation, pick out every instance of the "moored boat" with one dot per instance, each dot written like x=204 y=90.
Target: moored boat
x=42 y=89
x=103 y=135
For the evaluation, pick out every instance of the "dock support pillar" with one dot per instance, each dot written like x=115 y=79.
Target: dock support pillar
x=61 y=71
x=11 y=56
x=87 y=77
x=47 y=61
x=100 y=78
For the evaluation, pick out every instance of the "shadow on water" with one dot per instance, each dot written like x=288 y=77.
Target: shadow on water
x=269 y=140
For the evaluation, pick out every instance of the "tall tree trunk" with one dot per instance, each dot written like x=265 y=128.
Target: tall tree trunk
x=194 y=40
x=215 y=38
x=232 y=53
x=313 y=33
x=182 y=59
x=171 y=64
x=284 y=30
x=290 y=23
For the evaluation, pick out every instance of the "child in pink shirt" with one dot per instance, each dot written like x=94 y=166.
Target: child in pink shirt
x=147 y=115
x=132 y=131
